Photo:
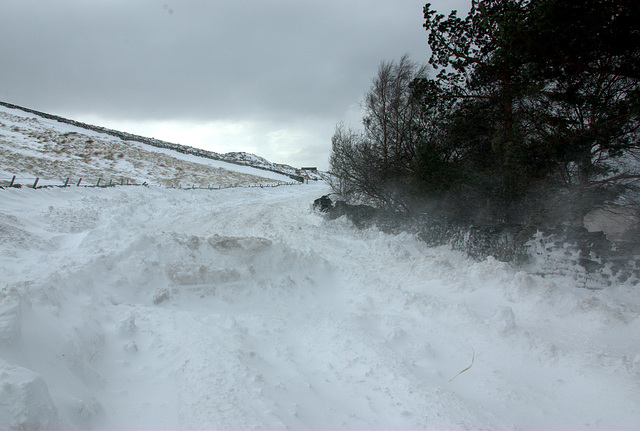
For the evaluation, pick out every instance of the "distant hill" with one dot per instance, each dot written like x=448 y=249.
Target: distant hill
x=52 y=148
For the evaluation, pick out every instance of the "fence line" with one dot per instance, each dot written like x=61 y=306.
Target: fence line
x=38 y=183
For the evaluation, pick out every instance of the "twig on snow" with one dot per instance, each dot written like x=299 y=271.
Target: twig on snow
x=473 y=358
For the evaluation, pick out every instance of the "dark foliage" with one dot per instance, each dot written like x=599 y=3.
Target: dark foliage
x=527 y=128
x=532 y=120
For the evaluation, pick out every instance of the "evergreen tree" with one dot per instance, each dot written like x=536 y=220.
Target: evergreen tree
x=525 y=121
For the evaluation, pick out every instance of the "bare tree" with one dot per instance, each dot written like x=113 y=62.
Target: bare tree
x=373 y=165
x=391 y=112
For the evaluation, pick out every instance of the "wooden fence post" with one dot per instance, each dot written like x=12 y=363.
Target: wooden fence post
x=79 y=181
x=66 y=183
x=12 y=180
x=98 y=183
x=35 y=183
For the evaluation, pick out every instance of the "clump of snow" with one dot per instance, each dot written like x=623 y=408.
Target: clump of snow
x=26 y=403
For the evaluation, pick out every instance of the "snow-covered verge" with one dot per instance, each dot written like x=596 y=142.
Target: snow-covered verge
x=35 y=147
x=153 y=308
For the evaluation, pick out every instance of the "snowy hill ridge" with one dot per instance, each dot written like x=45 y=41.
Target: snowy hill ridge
x=238 y=158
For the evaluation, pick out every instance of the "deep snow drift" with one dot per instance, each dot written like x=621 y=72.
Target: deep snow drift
x=149 y=308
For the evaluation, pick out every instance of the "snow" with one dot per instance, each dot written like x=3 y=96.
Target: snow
x=155 y=308
x=35 y=147
x=216 y=163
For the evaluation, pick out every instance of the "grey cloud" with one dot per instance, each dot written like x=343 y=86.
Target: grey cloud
x=199 y=60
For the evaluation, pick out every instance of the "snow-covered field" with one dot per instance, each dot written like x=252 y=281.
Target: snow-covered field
x=34 y=147
x=154 y=308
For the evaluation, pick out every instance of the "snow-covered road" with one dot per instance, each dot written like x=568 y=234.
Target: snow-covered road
x=147 y=308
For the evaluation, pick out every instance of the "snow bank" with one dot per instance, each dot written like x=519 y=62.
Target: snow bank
x=26 y=401
x=148 y=308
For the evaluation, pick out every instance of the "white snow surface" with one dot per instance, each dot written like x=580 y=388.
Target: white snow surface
x=153 y=308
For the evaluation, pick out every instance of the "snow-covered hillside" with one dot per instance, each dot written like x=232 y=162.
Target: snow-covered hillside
x=35 y=147
x=158 y=308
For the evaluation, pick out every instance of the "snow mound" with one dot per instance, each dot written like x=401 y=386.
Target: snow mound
x=26 y=403
x=169 y=268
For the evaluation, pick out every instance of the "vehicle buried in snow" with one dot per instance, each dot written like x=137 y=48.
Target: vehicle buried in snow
x=323 y=204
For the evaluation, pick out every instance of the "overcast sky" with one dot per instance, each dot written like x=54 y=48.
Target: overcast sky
x=270 y=77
